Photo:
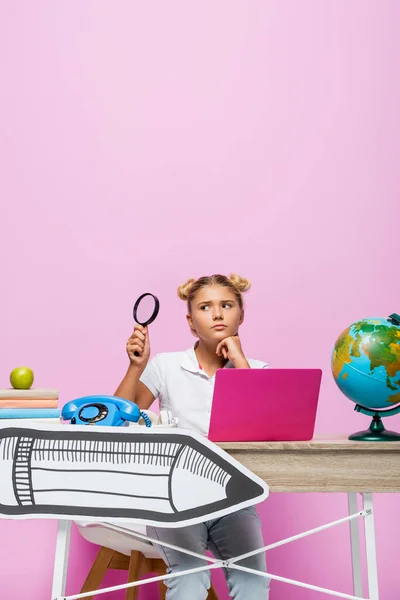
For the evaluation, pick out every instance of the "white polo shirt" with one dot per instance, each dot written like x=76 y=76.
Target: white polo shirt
x=182 y=387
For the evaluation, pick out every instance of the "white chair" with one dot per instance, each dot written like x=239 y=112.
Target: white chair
x=124 y=552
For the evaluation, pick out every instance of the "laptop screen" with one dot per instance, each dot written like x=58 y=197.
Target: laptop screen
x=264 y=405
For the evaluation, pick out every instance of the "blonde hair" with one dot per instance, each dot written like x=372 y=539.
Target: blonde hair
x=236 y=284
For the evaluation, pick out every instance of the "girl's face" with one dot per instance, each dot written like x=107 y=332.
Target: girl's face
x=216 y=314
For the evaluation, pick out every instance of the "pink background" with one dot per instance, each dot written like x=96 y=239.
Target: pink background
x=143 y=143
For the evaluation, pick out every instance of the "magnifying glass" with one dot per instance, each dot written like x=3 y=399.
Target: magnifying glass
x=145 y=310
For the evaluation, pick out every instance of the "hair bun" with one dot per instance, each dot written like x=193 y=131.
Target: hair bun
x=240 y=283
x=184 y=289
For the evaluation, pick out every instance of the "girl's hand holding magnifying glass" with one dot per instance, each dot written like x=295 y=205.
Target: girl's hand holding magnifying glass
x=138 y=347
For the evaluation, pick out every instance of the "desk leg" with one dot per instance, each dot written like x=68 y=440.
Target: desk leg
x=370 y=548
x=61 y=559
x=355 y=546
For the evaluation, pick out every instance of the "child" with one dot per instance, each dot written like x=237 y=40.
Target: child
x=183 y=382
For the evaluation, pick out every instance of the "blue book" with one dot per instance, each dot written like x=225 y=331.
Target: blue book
x=29 y=413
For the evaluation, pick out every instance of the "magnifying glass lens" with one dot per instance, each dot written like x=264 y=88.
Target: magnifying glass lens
x=145 y=310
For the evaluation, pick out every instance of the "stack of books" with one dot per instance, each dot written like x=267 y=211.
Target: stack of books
x=20 y=407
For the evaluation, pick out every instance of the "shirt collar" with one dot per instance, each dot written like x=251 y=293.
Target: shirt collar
x=190 y=363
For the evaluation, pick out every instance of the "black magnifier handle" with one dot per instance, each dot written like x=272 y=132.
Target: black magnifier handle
x=153 y=316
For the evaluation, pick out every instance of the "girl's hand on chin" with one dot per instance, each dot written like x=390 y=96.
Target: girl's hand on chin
x=231 y=349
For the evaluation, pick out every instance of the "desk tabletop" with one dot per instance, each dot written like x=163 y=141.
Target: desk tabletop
x=331 y=442
x=323 y=464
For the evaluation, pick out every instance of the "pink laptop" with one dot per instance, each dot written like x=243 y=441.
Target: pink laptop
x=260 y=405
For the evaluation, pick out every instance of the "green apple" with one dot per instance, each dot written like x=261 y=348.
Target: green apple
x=21 y=378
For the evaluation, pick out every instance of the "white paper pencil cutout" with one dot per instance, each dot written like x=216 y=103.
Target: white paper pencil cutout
x=161 y=476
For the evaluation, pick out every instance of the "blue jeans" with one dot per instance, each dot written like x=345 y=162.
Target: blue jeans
x=226 y=537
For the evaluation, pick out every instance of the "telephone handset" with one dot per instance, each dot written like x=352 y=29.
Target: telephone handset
x=102 y=410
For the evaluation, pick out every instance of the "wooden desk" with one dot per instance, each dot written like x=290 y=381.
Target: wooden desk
x=322 y=465
x=330 y=464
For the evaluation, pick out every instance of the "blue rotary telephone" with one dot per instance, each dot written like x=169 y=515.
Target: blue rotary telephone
x=102 y=410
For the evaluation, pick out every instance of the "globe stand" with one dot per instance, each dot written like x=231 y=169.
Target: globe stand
x=376 y=431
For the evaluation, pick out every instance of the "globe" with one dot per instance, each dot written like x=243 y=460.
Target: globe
x=366 y=368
